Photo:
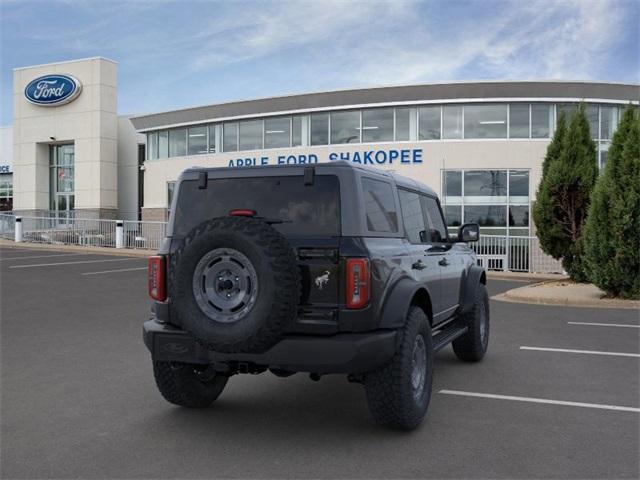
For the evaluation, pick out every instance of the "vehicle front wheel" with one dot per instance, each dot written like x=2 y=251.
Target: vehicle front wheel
x=398 y=394
x=186 y=385
x=472 y=346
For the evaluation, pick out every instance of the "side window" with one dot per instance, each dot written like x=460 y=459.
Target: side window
x=412 y=215
x=437 y=229
x=380 y=208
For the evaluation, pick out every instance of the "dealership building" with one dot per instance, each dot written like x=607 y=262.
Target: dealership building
x=479 y=145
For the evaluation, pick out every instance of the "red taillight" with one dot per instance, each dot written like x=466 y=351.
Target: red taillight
x=358 y=282
x=243 y=212
x=157 y=280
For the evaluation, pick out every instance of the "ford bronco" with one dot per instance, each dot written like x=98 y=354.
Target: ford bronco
x=325 y=268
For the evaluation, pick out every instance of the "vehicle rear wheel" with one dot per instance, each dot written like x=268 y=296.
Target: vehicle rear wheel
x=472 y=346
x=398 y=394
x=187 y=385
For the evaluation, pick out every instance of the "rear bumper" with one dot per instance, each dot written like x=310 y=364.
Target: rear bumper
x=340 y=353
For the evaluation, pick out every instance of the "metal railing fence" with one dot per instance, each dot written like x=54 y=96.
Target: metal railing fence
x=148 y=235
x=516 y=254
x=69 y=231
x=495 y=252
x=7 y=226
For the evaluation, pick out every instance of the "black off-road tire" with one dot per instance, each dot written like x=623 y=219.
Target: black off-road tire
x=472 y=346
x=390 y=394
x=180 y=384
x=278 y=277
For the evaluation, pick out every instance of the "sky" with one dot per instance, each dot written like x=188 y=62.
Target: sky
x=176 y=54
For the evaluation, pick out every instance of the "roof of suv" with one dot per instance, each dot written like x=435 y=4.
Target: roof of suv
x=400 y=180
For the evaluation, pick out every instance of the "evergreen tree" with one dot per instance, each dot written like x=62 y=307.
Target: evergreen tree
x=612 y=239
x=563 y=198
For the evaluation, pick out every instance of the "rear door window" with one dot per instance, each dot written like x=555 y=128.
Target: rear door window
x=412 y=215
x=380 y=206
x=437 y=228
x=305 y=210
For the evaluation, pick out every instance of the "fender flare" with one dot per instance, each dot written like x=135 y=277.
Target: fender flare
x=475 y=276
x=396 y=305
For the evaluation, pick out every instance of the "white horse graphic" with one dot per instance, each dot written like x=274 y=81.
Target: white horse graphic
x=322 y=280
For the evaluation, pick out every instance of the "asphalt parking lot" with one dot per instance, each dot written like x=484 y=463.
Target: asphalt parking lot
x=79 y=401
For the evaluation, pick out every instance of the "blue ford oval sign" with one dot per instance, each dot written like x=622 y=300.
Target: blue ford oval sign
x=53 y=90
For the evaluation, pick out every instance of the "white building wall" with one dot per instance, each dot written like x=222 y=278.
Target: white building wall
x=6 y=149
x=436 y=156
x=90 y=122
x=128 y=169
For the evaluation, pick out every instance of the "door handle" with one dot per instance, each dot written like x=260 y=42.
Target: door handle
x=444 y=262
x=418 y=265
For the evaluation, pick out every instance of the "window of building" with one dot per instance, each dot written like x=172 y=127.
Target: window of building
x=403 y=124
x=485 y=121
x=604 y=153
x=541 y=120
x=61 y=179
x=592 y=116
x=197 y=140
x=212 y=138
x=230 y=137
x=452 y=121
x=296 y=131
x=345 y=127
x=377 y=125
x=152 y=146
x=519 y=120
x=486 y=215
x=519 y=216
x=320 y=129
x=251 y=135
x=452 y=184
x=453 y=215
x=178 y=142
x=485 y=200
x=482 y=186
x=277 y=132
x=163 y=144
x=380 y=208
x=429 y=123
x=518 y=186
x=6 y=192
x=437 y=228
x=608 y=122
x=412 y=215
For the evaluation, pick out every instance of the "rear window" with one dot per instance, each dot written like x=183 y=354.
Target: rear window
x=380 y=207
x=307 y=210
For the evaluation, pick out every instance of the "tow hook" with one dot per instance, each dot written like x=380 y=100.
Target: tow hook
x=207 y=374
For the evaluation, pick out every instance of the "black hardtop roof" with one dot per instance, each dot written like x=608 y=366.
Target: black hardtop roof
x=400 y=180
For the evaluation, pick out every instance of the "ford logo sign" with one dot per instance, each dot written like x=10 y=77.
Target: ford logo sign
x=53 y=90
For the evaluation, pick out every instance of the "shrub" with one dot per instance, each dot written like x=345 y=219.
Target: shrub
x=612 y=233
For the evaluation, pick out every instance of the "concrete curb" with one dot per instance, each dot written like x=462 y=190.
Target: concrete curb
x=544 y=293
x=525 y=277
x=125 y=252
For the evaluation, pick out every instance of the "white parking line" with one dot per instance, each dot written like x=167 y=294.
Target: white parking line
x=42 y=256
x=541 y=400
x=605 y=324
x=115 y=271
x=77 y=263
x=590 y=352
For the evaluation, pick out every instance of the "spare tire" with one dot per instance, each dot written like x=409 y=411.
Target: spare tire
x=234 y=284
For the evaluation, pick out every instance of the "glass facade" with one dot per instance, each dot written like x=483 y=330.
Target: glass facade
x=6 y=192
x=61 y=178
x=498 y=200
x=492 y=121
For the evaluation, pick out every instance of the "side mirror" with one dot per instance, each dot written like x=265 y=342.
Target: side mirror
x=469 y=232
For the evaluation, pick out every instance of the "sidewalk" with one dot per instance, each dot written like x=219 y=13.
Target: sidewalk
x=127 y=252
x=567 y=293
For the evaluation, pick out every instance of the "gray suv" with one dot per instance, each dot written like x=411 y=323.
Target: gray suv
x=324 y=268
